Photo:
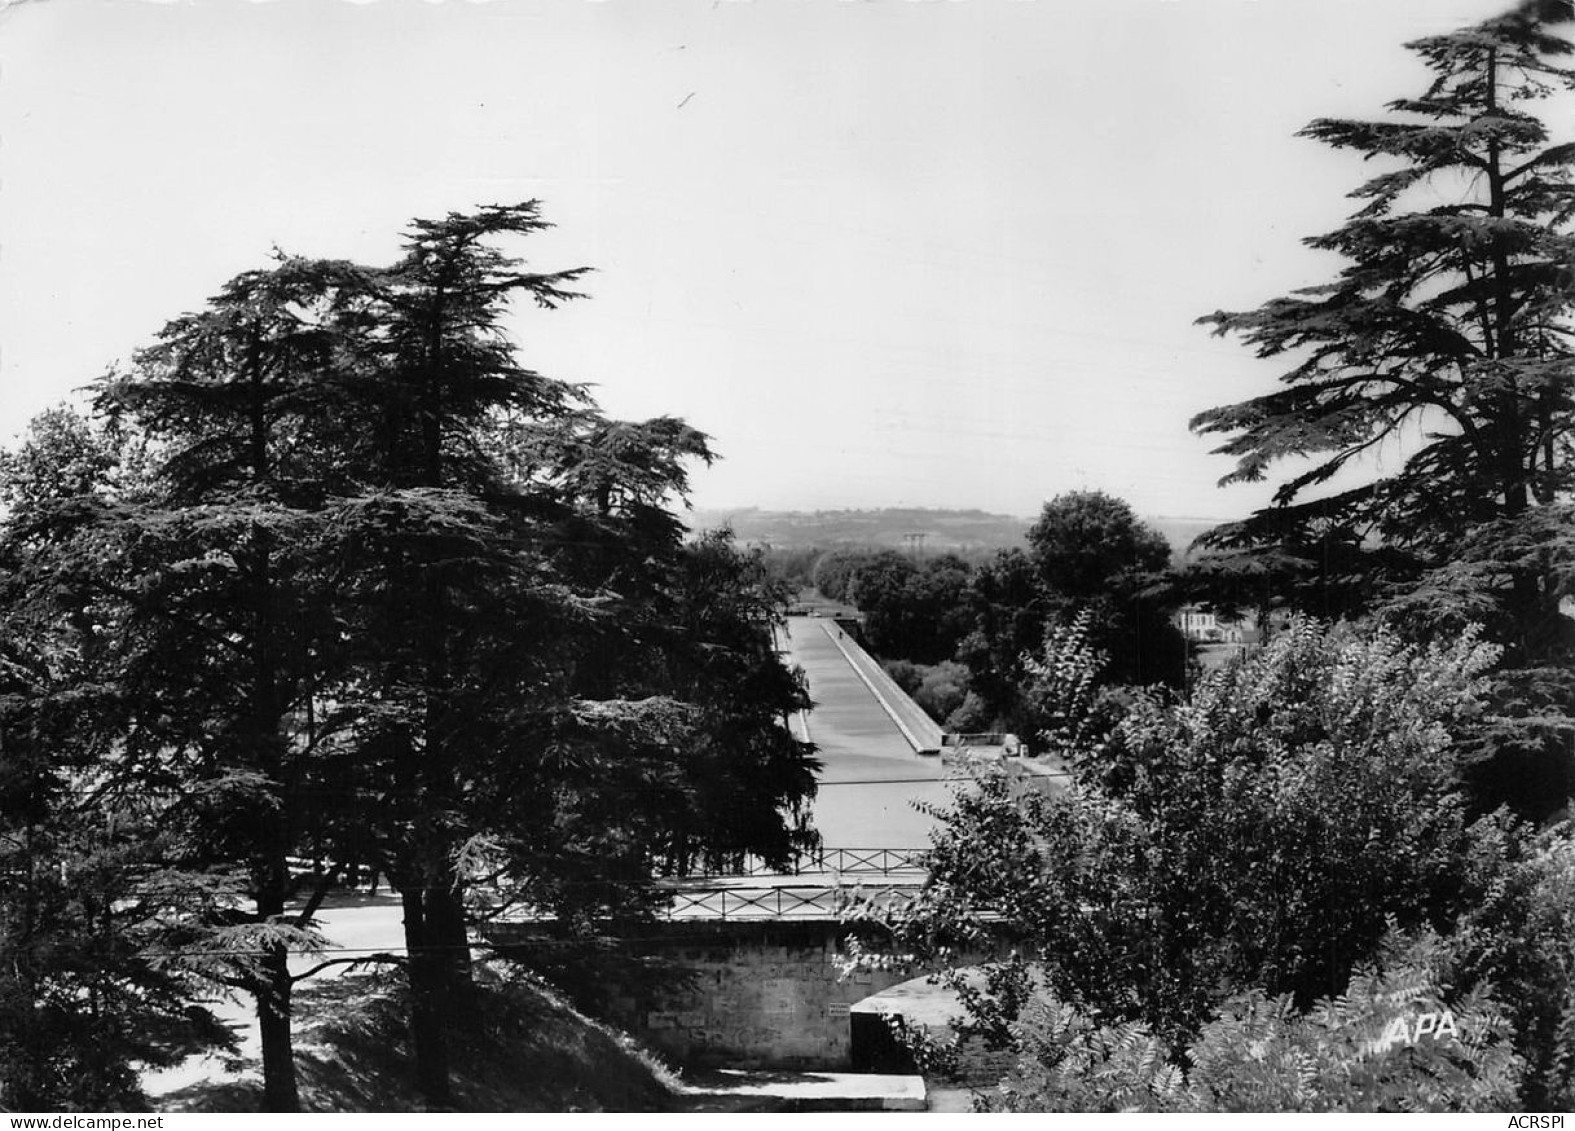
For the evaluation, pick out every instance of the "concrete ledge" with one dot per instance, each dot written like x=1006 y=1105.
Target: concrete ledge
x=810 y=1091
x=871 y=673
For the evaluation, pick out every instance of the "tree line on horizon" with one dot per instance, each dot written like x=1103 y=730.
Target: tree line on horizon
x=958 y=634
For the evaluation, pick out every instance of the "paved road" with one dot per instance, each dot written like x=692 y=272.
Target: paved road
x=370 y=923
x=871 y=778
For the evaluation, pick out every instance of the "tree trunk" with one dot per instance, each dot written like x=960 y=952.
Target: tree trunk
x=451 y=942
x=280 y=1092
x=271 y=875
x=428 y=1038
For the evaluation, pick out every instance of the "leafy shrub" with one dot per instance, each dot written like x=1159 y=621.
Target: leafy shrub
x=905 y=673
x=1520 y=937
x=943 y=689
x=940 y=689
x=1265 y=832
x=1072 y=708
x=1390 y=1042
x=972 y=715
x=1186 y=918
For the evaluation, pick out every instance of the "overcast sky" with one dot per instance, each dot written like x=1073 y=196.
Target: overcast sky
x=886 y=252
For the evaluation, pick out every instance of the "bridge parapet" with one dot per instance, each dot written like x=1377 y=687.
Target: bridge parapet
x=823 y=886
x=750 y=971
x=921 y=732
x=832 y=861
x=823 y=901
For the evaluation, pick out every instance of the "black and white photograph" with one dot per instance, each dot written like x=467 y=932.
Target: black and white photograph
x=786 y=556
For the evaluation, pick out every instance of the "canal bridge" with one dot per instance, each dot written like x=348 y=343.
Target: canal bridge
x=756 y=964
x=752 y=968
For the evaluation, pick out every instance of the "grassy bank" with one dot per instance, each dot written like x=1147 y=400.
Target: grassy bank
x=528 y=1050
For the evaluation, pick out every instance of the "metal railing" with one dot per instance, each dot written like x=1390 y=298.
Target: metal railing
x=844 y=861
x=866 y=861
x=801 y=902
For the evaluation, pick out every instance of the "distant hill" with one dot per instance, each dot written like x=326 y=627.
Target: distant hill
x=1182 y=532
x=886 y=527
x=891 y=527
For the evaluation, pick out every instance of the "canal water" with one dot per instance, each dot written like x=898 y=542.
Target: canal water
x=872 y=783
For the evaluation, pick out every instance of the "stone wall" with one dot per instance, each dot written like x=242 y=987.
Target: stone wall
x=767 y=995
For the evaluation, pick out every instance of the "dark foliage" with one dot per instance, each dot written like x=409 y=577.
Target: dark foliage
x=375 y=593
x=1243 y=893
x=1447 y=324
